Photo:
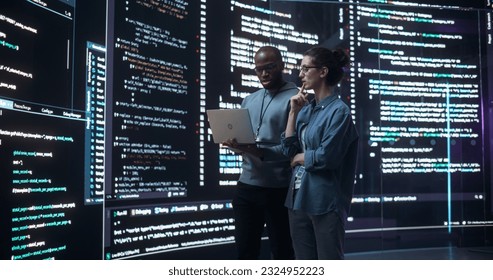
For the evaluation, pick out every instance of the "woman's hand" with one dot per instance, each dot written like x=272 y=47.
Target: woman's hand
x=299 y=100
x=296 y=102
x=298 y=159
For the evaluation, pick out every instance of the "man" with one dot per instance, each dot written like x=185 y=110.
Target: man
x=263 y=183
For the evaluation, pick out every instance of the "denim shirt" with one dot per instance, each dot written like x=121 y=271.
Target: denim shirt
x=269 y=110
x=331 y=147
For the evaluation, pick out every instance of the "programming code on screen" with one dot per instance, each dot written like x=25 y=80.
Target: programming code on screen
x=106 y=151
x=41 y=134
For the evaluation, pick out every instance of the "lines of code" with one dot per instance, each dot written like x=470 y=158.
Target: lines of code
x=95 y=100
x=156 y=96
x=41 y=134
x=43 y=205
x=422 y=94
x=17 y=26
x=157 y=138
x=149 y=229
x=415 y=74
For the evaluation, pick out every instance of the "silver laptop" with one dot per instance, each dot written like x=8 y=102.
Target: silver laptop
x=231 y=124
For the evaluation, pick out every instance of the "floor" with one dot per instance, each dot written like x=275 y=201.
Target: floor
x=431 y=253
x=442 y=253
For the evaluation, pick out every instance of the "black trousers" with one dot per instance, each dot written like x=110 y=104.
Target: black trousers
x=317 y=237
x=255 y=207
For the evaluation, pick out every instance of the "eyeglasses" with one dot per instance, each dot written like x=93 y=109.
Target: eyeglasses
x=305 y=69
x=268 y=68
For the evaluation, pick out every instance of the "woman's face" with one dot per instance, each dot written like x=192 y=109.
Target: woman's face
x=310 y=73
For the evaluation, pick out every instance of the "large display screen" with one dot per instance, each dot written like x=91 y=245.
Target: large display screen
x=106 y=151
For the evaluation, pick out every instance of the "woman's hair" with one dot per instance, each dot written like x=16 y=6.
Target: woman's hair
x=335 y=60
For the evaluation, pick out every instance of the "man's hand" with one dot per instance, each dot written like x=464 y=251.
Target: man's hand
x=233 y=145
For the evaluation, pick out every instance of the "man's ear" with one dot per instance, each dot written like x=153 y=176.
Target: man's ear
x=324 y=72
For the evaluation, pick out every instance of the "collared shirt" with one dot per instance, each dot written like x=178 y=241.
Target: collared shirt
x=273 y=170
x=331 y=146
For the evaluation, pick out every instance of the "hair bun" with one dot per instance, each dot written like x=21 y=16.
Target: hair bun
x=341 y=57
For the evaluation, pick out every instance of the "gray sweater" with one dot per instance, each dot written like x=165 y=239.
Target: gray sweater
x=268 y=114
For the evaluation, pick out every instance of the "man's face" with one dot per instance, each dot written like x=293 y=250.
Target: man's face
x=268 y=70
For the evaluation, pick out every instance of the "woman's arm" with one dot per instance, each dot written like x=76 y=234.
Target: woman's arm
x=296 y=102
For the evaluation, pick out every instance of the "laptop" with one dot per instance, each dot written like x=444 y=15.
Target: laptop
x=231 y=123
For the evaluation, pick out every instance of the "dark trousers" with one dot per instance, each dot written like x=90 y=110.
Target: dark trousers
x=317 y=237
x=255 y=207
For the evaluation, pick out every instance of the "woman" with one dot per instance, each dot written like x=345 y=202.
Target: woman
x=322 y=141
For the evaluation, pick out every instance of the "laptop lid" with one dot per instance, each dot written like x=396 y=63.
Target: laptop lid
x=231 y=124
